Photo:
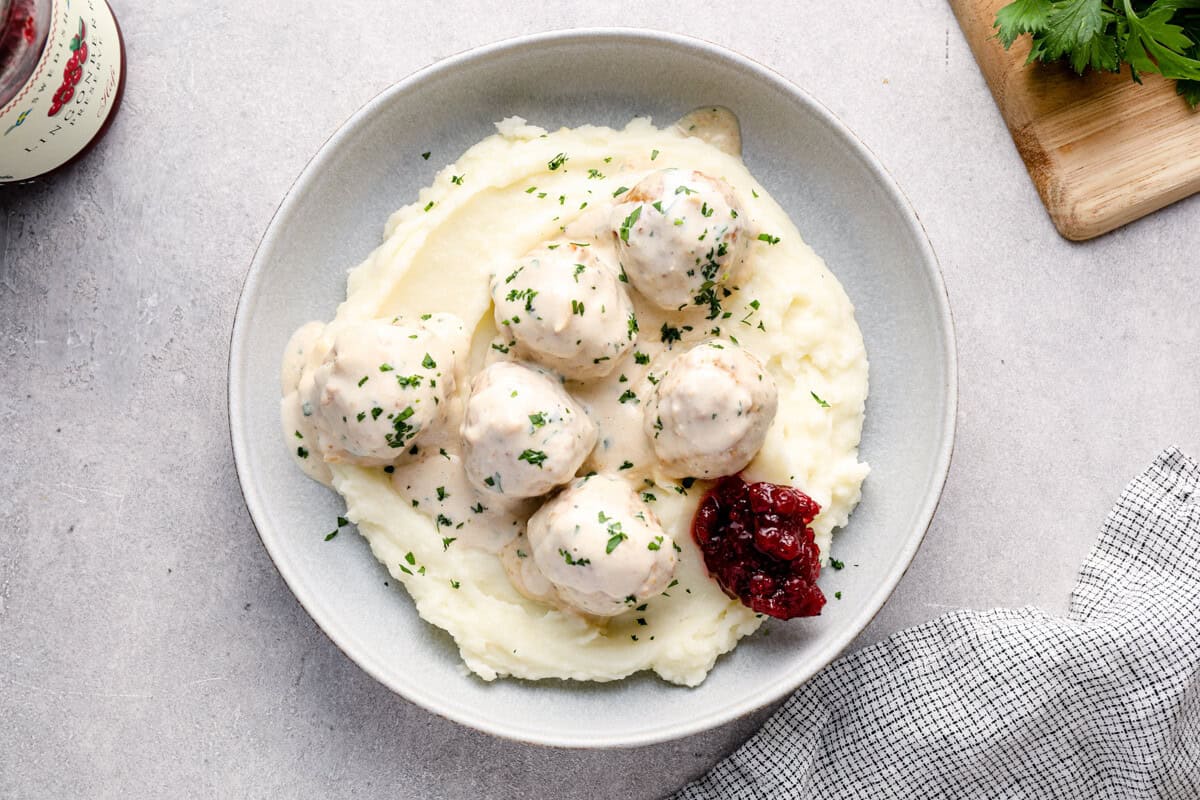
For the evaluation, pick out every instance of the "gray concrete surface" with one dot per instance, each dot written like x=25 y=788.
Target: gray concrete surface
x=147 y=645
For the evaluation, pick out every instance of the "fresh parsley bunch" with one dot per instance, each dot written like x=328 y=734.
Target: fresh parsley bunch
x=1160 y=36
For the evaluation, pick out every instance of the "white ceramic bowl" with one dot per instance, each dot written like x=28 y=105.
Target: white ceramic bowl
x=846 y=206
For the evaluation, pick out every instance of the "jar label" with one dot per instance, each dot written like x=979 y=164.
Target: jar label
x=69 y=96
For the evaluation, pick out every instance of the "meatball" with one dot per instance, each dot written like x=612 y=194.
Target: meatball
x=382 y=387
x=709 y=415
x=523 y=572
x=601 y=546
x=565 y=309
x=522 y=433
x=679 y=236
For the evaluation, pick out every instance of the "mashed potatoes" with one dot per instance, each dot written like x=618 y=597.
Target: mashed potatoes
x=526 y=191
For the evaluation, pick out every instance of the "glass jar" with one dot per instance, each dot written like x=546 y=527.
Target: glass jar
x=62 y=71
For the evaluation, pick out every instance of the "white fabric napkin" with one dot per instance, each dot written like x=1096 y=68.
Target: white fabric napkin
x=1102 y=703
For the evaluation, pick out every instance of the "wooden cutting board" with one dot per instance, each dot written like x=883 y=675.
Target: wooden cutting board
x=1101 y=150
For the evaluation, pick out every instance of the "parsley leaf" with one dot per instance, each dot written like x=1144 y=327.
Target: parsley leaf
x=1162 y=36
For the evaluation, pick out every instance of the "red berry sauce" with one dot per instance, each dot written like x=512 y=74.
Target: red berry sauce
x=758 y=544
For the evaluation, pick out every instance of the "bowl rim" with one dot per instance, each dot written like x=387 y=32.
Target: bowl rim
x=767 y=694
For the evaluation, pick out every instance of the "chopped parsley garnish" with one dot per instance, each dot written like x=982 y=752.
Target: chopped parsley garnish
x=429 y=205
x=579 y=268
x=537 y=420
x=557 y=161
x=629 y=222
x=442 y=494
x=571 y=561
x=428 y=362
x=331 y=534
x=838 y=595
x=410 y=558
x=670 y=334
x=385 y=367
x=626 y=465
x=595 y=173
x=708 y=297
x=833 y=562
x=363 y=380
x=531 y=190
x=653 y=154
x=615 y=540
x=626 y=396
x=632 y=327
x=705 y=211
x=640 y=357
x=454 y=584
x=534 y=457
x=648 y=497
x=656 y=544
x=425 y=155
x=457 y=179
x=685 y=190
x=401 y=430
x=620 y=190
x=375 y=412
x=300 y=451
x=577 y=308
x=407 y=381
x=524 y=294
x=447 y=541
x=820 y=402
x=768 y=238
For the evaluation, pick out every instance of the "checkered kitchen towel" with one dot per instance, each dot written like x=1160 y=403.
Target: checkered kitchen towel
x=1104 y=703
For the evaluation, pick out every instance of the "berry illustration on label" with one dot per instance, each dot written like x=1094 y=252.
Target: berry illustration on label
x=73 y=71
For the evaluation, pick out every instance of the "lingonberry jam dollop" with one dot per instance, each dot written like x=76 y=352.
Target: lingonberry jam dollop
x=758 y=544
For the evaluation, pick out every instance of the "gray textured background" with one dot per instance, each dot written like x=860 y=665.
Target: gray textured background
x=147 y=644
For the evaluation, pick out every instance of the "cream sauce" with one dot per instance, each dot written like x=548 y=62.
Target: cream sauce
x=509 y=197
